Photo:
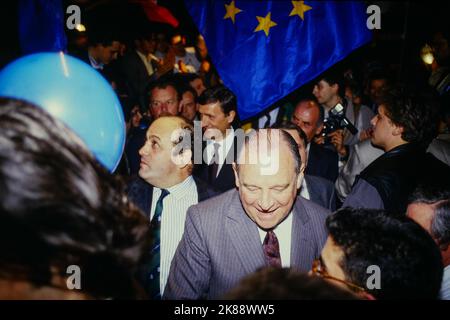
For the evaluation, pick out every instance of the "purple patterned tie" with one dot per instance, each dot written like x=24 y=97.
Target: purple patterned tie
x=272 y=250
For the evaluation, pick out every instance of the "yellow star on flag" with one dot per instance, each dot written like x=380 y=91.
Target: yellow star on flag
x=265 y=24
x=299 y=9
x=232 y=11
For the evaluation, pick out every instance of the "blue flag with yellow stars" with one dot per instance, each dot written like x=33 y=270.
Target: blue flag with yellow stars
x=264 y=50
x=41 y=26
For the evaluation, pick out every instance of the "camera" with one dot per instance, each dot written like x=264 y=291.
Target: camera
x=337 y=120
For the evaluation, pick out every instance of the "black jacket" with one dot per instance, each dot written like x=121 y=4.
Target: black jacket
x=398 y=172
x=225 y=179
x=322 y=162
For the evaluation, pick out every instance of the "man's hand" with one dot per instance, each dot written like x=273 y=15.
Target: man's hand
x=337 y=139
x=319 y=140
x=366 y=134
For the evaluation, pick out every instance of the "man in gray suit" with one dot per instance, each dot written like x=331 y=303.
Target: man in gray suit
x=263 y=223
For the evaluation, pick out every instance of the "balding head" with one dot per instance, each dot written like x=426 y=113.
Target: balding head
x=166 y=157
x=268 y=182
x=308 y=115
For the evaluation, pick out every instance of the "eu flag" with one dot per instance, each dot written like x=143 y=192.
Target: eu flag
x=41 y=26
x=264 y=50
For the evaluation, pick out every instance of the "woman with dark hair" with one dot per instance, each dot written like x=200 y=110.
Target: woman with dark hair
x=67 y=229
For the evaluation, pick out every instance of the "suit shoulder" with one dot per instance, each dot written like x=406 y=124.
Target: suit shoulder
x=205 y=190
x=136 y=185
x=217 y=206
x=321 y=150
x=310 y=179
x=312 y=210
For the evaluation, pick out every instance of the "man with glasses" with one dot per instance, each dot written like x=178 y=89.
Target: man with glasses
x=379 y=255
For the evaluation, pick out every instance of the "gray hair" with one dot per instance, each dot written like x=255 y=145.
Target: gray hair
x=286 y=137
x=440 y=200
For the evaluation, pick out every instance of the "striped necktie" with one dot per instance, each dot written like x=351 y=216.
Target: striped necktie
x=154 y=267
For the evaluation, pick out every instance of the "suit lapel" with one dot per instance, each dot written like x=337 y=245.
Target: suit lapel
x=313 y=192
x=149 y=199
x=244 y=237
x=302 y=251
x=225 y=178
x=202 y=189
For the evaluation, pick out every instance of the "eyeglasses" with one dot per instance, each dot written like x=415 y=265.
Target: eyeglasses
x=319 y=270
x=157 y=104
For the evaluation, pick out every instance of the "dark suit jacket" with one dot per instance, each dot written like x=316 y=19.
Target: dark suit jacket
x=321 y=191
x=221 y=245
x=279 y=119
x=135 y=141
x=322 y=162
x=136 y=78
x=225 y=179
x=140 y=193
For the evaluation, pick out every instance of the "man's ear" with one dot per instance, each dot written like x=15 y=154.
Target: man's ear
x=183 y=159
x=231 y=116
x=397 y=131
x=236 y=176
x=335 y=88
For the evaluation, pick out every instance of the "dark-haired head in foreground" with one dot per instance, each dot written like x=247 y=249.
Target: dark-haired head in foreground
x=59 y=207
x=362 y=240
x=287 y=284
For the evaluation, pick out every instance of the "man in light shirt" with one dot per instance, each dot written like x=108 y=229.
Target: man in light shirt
x=164 y=170
x=263 y=223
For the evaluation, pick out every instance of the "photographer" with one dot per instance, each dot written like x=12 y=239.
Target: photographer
x=340 y=124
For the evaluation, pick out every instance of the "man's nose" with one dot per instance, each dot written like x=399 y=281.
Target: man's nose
x=164 y=106
x=144 y=150
x=265 y=201
x=204 y=121
x=373 y=121
x=314 y=90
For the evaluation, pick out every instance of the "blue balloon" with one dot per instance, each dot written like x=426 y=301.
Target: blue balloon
x=75 y=93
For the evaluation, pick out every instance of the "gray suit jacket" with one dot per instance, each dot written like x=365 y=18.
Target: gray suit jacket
x=221 y=245
x=321 y=191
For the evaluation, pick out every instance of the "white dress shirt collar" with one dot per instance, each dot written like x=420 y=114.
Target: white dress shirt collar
x=96 y=65
x=178 y=191
x=224 y=147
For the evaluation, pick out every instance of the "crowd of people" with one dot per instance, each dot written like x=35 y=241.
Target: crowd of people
x=345 y=197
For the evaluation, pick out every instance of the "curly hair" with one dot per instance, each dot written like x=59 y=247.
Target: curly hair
x=270 y=283
x=409 y=260
x=60 y=207
x=416 y=113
